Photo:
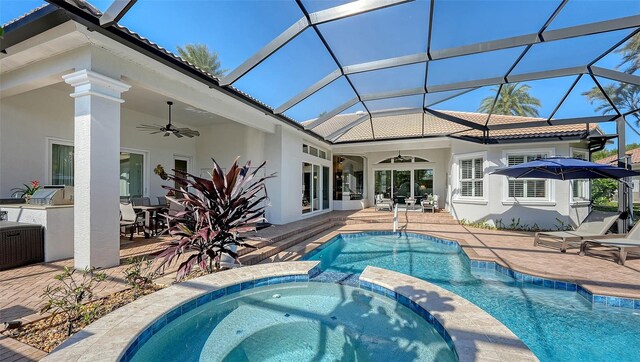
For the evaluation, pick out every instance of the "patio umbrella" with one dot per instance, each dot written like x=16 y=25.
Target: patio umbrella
x=565 y=168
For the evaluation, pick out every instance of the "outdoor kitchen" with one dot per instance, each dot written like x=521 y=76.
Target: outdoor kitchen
x=48 y=209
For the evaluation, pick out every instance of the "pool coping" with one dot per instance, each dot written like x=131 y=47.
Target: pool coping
x=476 y=335
x=116 y=336
x=520 y=274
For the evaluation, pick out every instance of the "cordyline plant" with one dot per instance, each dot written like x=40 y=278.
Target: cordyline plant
x=215 y=212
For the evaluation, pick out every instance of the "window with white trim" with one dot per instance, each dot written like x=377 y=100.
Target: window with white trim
x=580 y=188
x=526 y=188
x=132 y=169
x=472 y=177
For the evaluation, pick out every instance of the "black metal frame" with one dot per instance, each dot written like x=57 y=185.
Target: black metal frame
x=105 y=24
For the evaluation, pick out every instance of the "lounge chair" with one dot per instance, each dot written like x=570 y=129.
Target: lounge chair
x=623 y=244
x=383 y=204
x=596 y=224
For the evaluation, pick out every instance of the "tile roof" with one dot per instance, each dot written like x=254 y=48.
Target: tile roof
x=634 y=153
x=25 y=15
x=417 y=125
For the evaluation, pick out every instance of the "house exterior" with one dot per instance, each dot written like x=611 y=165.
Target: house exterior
x=633 y=157
x=71 y=99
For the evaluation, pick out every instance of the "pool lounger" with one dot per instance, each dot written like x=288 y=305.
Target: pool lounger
x=595 y=225
x=623 y=243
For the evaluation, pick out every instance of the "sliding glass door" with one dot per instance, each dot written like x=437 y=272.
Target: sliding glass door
x=306 y=188
x=403 y=183
x=383 y=183
x=315 y=187
x=423 y=183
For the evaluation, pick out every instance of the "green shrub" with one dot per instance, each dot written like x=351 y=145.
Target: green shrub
x=139 y=274
x=68 y=295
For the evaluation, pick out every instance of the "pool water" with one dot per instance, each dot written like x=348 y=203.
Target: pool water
x=298 y=322
x=556 y=325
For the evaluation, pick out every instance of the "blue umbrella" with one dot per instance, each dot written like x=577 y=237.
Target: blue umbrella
x=565 y=168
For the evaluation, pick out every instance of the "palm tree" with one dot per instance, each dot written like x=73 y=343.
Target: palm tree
x=630 y=53
x=625 y=97
x=514 y=99
x=200 y=56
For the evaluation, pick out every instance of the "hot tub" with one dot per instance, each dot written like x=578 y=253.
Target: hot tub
x=298 y=322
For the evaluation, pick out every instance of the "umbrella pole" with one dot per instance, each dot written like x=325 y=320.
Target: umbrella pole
x=623 y=200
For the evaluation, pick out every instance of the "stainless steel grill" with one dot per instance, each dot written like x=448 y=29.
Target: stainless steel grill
x=53 y=195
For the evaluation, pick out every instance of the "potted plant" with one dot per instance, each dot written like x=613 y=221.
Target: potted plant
x=159 y=170
x=28 y=190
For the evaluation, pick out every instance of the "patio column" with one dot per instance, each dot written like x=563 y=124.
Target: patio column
x=96 y=168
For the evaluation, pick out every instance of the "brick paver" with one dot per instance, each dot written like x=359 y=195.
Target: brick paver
x=20 y=288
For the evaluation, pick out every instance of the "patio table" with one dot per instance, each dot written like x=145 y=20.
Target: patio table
x=149 y=212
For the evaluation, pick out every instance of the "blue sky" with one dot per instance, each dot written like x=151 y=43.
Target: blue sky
x=237 y=29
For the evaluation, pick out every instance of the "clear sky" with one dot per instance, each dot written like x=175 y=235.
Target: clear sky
x=237 y=29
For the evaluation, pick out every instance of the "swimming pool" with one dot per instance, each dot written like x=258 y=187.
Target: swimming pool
x=298 y=322
x=556 y=325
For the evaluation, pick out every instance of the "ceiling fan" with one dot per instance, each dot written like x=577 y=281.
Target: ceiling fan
x=169 y=129
x=400 y=158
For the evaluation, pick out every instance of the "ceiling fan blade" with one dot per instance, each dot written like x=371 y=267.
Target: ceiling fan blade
x=188 y=131
x=166 y=134
x=149 y=126
x=156 y=132
x=178 y=134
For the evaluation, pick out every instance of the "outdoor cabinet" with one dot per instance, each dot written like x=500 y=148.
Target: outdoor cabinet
x=20 y=244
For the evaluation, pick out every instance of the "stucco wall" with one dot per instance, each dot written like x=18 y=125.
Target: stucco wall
x=28 y=120
x=495 y=205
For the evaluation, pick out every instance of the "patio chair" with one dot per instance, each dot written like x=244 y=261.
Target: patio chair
x=129 y=218
x=430 y=203
x=383 y=204
x=597 y=223
x=623 y=244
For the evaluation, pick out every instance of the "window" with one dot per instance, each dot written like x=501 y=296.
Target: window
x=580 y=188
x=526 y=188
x=61 y=164
x=348 y=183
x=131 y=169
x=131 y=174
x=472 y=177
x=314 y=151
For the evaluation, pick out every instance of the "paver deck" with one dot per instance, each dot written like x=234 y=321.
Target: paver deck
x=20 y=288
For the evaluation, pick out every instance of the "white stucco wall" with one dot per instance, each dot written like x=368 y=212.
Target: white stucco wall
x=29 y=120
x=495 y=205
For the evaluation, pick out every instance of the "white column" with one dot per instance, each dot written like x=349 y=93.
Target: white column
x=96 y=168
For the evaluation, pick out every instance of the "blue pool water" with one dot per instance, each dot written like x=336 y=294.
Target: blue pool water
x=556 y=325
x=298 y=322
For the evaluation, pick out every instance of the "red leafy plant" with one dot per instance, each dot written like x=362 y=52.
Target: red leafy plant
x=216 y=211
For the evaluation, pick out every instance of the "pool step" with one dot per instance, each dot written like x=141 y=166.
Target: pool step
x=276 y=246
x=263 y=239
